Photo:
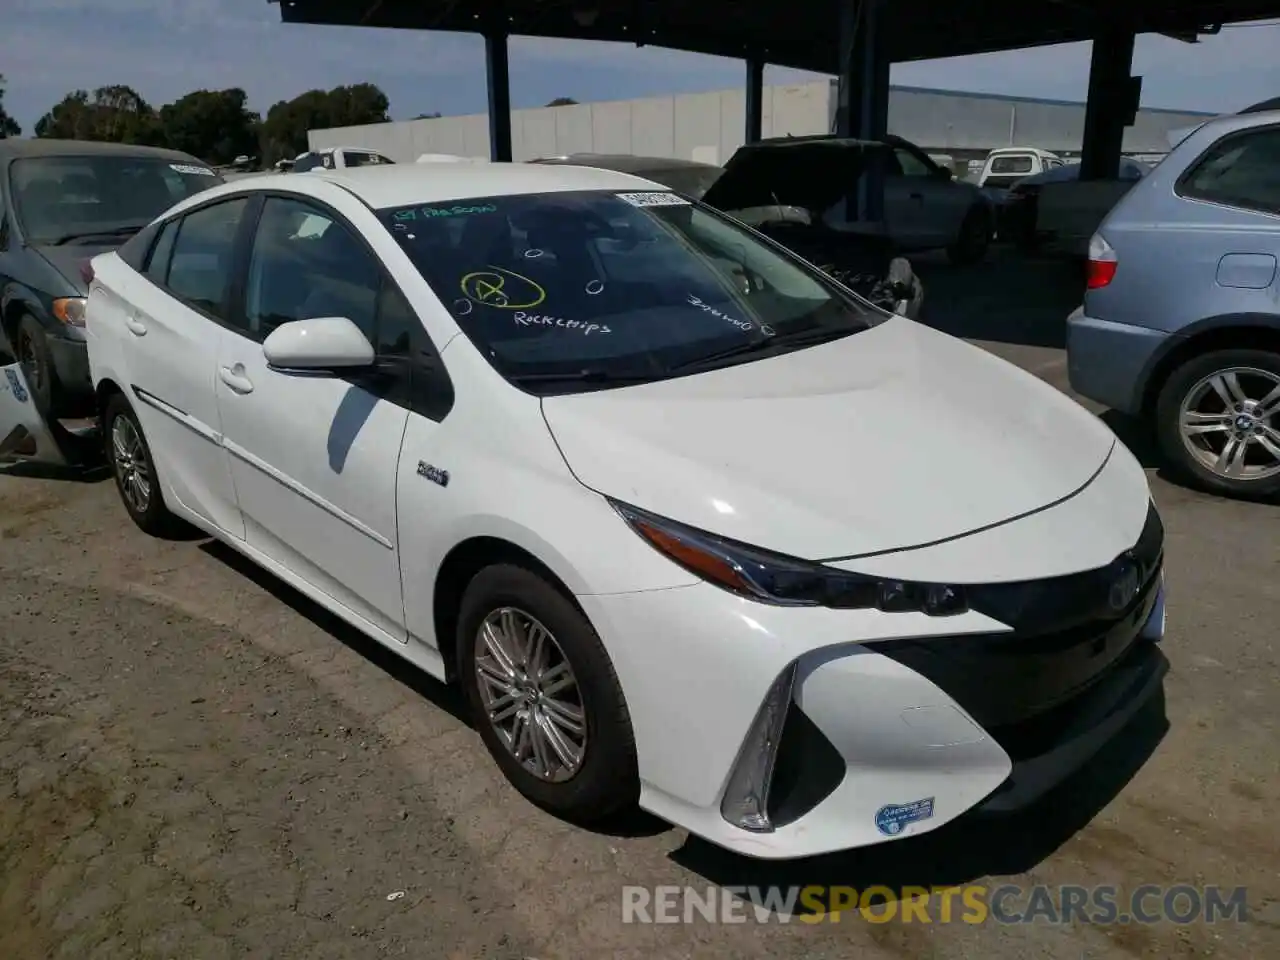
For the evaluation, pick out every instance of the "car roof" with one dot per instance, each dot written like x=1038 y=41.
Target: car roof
x=1240 y=121
x=404 y=184
x=1034 y=151
x=626 y=162
x=817 y=139
x=13 y=149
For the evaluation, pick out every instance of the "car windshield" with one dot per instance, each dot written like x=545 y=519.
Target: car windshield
x=64 y=199
x=572 y=291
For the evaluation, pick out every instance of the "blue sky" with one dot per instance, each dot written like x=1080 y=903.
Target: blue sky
x=164 y=48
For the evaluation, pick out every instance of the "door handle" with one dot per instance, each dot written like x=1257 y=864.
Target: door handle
x=236 y=380
x=135 y=326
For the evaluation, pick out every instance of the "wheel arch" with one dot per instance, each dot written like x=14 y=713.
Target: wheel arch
x=1260 y=331
x=459 y=567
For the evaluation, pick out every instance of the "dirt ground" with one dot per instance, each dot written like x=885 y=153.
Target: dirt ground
x=196 y=763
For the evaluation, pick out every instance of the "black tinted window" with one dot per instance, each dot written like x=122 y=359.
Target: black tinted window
x=624 y=284
x=305 y=264
x=911 y=165
x=200 y=267
x=66 y=198
x=162 y=252
x=1242 y=170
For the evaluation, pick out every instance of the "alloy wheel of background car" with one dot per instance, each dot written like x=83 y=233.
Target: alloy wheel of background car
x=530 y=694
x=1219 y=419
x=529 y=660
x=134 y=469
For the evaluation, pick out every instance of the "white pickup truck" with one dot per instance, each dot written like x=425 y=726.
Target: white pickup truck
x=336 y=158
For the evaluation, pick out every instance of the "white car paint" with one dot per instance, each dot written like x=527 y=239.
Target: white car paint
x=939 y=461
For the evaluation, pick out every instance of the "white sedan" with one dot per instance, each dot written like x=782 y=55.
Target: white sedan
x=690 y=524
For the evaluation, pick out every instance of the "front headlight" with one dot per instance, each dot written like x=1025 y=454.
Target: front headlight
x=786 y=581
x=70 y=310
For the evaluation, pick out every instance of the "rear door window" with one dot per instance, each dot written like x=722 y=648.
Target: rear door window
x=203 y=252
x=1241 y=170
x=158 y=263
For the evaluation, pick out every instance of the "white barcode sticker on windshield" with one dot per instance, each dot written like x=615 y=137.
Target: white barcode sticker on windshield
x=653 y=199
x=193 y=170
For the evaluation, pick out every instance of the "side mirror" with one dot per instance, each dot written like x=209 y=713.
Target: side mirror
x=318 y=345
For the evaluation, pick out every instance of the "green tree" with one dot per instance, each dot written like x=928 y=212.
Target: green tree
x=8 y=126
x=215 y=125
x=562 y=102
x=284 y=130
x=113 y=113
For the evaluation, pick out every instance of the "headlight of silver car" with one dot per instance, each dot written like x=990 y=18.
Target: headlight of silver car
x=786 y=581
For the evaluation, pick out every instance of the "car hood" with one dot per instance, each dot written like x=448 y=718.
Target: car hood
x=895 y=437
x=67 y=260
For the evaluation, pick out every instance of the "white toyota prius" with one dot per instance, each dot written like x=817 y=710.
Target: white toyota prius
x=692 y=526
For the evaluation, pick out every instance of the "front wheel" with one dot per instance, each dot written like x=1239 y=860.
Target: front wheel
x=1218 y=421
x=544 y=695
x=32 y=347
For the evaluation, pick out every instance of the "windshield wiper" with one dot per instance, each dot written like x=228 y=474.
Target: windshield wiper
x=802 y=338
x=87 y=234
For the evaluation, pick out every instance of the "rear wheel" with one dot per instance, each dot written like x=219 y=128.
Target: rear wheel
x=134 y=469
x=1218 y=420
x=545 y=696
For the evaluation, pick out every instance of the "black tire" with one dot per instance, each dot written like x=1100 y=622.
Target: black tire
x=1182 y=382
x=31 y=345
x=974 y=239
x=154 y=517
x=606 y=780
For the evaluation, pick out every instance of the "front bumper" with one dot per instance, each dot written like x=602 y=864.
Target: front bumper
x=896 y=724
x=1108 y=361
x=71 y=364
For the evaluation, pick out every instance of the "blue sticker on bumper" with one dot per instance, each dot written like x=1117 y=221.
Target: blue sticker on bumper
x=893 y=819
x=15 y=385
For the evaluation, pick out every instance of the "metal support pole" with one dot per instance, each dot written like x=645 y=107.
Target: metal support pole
x=755 y=99
x=1109 y=109
x=862 y=99
x=495 y=55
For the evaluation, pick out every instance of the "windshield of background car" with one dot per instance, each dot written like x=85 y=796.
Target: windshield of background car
x=63 y=199
x=692 y=181
x=616 y=285
x=1011 y=164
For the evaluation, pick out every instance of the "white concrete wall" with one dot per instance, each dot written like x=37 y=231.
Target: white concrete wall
x=702 y=126
x=710 y=126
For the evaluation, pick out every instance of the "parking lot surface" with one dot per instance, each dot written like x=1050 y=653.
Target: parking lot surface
x=196 y=762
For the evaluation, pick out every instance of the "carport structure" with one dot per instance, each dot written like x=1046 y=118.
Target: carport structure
x=856 y=40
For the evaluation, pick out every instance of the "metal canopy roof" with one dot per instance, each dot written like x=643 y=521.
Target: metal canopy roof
x=795 y=33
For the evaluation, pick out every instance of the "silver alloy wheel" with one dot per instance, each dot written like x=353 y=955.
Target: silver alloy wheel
x=530 y=694
x=1230 y=423
x=131 y=464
